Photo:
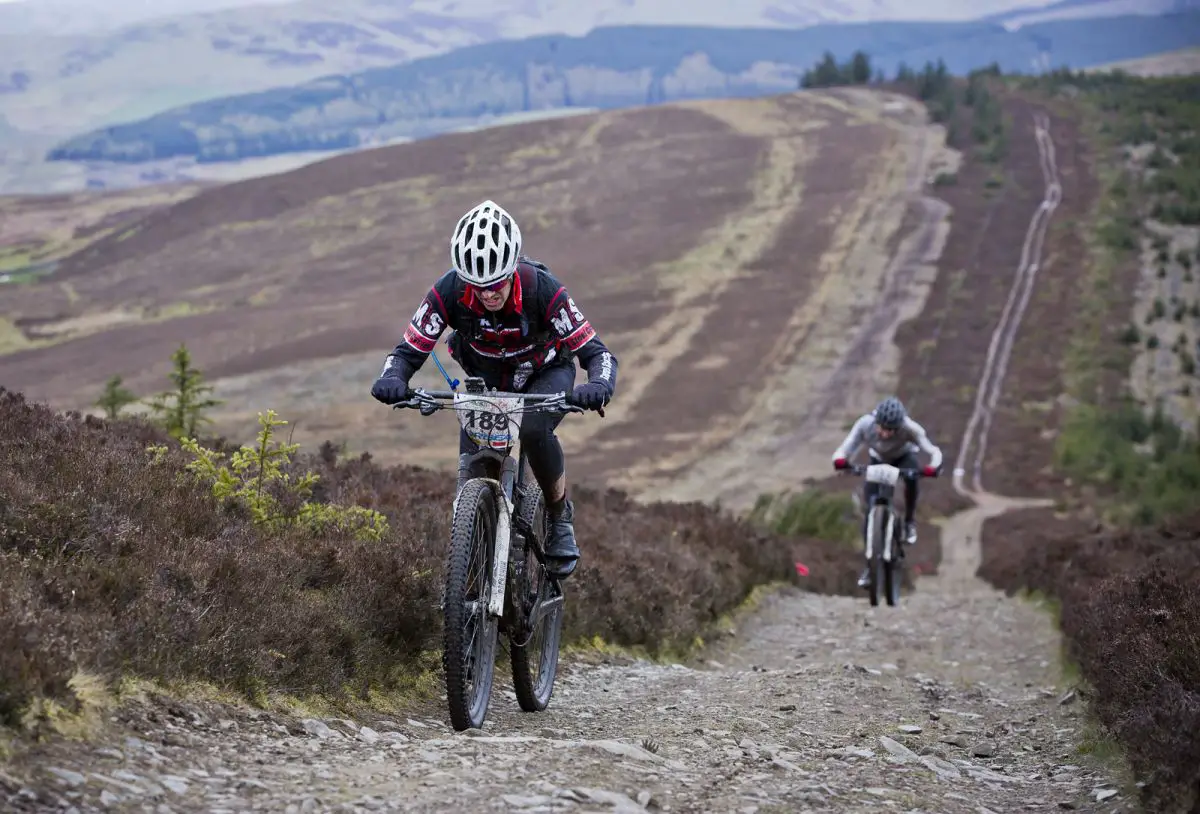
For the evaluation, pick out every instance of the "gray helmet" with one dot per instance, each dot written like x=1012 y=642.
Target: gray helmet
x=890 y=413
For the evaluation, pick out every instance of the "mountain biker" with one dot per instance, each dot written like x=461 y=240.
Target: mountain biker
x=891 y=437
x=515 y=326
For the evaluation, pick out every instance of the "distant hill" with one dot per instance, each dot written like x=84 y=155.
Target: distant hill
x=1080 y=9
x=1184 y=61
x=69 y=66
x=60 y=17
x=607 y=68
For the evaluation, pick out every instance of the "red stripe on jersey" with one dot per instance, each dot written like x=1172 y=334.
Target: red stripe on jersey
x=580 y=336
x=417 y=340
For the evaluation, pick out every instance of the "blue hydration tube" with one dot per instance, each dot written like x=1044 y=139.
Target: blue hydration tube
x=452 y=382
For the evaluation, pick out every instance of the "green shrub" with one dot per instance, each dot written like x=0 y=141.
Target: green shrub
x=114 y=397
x=810 y=514
x=182 y=410
x=1147 y=466
x=255 y=476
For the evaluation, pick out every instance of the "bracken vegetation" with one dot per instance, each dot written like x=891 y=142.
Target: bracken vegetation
x=117 y=560
x=1126 y=580
x=1131 y=624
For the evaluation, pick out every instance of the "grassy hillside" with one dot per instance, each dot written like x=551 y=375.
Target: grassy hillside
x=290 y=288
x=607 y=68
x=1122 y=555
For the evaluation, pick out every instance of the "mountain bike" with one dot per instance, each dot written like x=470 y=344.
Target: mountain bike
x=883 y=537
x=496 y=576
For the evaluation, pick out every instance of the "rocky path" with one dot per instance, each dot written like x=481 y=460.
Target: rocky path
x=948 y=703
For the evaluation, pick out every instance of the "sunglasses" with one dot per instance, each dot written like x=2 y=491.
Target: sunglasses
x=496 y=286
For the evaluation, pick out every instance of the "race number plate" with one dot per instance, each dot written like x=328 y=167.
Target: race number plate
x=883 y=473
x=490 y=421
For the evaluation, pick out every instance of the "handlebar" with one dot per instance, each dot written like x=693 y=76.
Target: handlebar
x=861 y=469
x=430 y=401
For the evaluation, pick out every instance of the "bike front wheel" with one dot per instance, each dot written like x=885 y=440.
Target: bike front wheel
x=468 y=630
x=878 y=529
x=534 y=647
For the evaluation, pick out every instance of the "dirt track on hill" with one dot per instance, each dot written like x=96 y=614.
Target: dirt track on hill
x=803 y=363
x=759 y=234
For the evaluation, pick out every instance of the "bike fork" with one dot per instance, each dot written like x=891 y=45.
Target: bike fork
x=506 y=494
x=889 y=531
x=870 y=533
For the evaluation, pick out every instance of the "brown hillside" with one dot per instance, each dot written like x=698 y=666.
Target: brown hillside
x=721 y=248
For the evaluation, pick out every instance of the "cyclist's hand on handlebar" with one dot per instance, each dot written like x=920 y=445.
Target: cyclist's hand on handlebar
x=840 y=463
x=931 y=471
x=391 y=390
x=590 y=396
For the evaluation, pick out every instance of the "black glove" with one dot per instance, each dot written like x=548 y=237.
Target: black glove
x=590 y=396
x=391 y=389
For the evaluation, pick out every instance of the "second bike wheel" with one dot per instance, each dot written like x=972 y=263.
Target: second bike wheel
x=534 y=648
x=892 y=571
x=468 y=630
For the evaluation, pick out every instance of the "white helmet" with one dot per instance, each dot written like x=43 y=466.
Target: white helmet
x=486 y=244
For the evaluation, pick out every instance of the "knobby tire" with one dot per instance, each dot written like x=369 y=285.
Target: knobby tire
x=878 y=530
x=472 y=538
x=892 y=575
x=534 y=655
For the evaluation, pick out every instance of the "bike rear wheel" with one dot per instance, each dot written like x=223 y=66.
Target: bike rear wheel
x=468 y=630
x=892 y=575
x=534 y=647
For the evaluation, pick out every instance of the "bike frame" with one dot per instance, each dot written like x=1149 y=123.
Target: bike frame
x=883 y=497
x=510 y=475
x=885 y=476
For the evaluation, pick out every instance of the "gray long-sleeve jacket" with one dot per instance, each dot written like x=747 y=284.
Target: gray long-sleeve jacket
x=909 y=438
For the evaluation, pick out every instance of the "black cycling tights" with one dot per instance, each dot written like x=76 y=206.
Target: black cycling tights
x=541 y=445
